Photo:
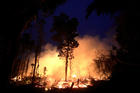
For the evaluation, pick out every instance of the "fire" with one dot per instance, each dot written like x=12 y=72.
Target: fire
x=17 y=78
x=74 y=76
x=51 y=69
x=73 y=84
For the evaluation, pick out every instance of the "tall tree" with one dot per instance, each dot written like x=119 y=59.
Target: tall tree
x=127 y=22
x=21 y=62
x=65 y=32
x=39 y=43
x=126 y=71
x=18 y=15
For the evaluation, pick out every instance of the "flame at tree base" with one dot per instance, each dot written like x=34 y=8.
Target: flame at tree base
x=74 y=83
x=47 y=84
x=51 y=71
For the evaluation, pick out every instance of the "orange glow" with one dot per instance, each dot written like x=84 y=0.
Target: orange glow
x=74 y=76
x=83 y=66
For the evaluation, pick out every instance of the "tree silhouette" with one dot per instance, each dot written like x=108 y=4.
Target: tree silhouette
x=105 y=63
x=127 y=22
x=125 y=74
x=66 y=31
x=21 y=62
x=108 y=6
x=38 y=46
x=17 y=16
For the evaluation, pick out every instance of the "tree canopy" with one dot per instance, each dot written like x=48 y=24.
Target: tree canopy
x=65 y=32
x=17 y=16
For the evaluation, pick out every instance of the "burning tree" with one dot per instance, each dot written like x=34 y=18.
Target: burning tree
x=65 y=32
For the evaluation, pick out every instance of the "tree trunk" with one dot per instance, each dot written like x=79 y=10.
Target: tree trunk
x=66 y=67
x=70 y=69
x=34 y=67
x=27 y=65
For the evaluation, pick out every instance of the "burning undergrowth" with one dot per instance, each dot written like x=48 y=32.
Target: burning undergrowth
x=88 y=64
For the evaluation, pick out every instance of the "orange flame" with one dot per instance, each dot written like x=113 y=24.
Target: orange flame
x=83 y=65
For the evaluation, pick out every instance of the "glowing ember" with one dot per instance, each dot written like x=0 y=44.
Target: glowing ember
x=46 y=89
x=17 y=78
x=74 y=76
x=51 y=71
x=60 y=86
x=72 y=84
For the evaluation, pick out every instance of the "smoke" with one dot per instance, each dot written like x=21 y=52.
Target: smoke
x=83 y=65
x=88 y=50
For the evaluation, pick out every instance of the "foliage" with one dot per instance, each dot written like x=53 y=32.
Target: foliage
x=105 y=63
x=65 y=32
x=127 y=26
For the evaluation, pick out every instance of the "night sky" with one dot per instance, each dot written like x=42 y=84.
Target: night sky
x=94 y=25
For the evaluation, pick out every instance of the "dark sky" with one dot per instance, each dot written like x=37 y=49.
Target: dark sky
x=94 y=25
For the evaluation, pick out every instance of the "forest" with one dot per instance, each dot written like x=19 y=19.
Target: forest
x=72 y=63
